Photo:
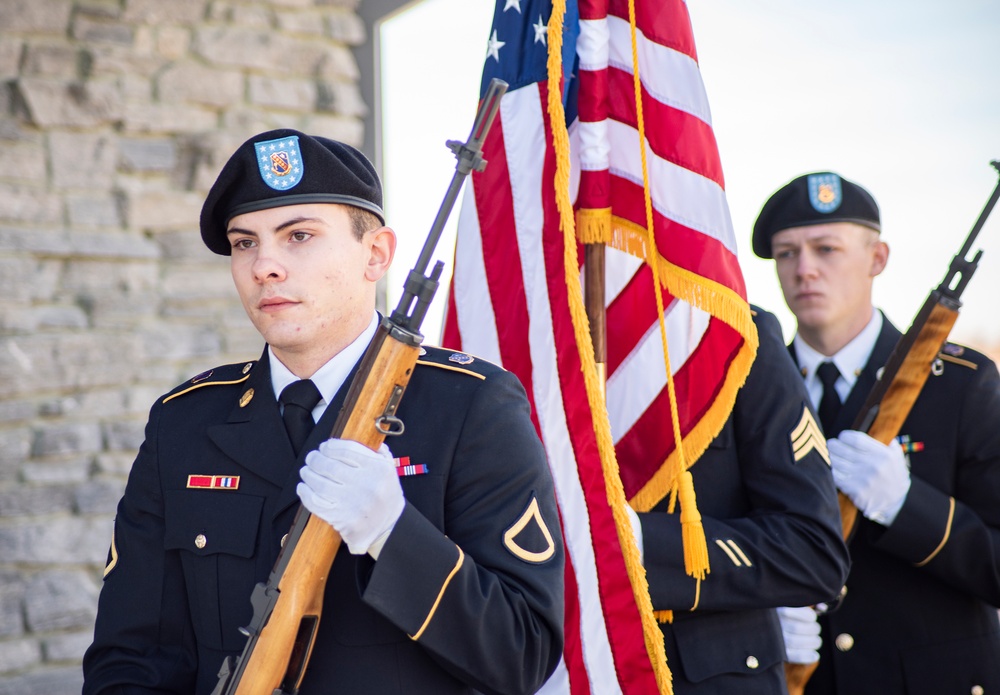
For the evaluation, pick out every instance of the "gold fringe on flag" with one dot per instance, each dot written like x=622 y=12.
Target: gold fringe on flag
x=602 y=427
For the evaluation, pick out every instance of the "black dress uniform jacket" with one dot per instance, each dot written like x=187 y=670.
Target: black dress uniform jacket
x=919 y=615
x=485 y=604
x=772 y=524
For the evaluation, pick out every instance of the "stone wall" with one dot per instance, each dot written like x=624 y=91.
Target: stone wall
x=115 y=116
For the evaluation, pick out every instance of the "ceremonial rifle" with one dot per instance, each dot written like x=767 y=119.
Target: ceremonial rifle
x=286 y=610
x=903 y=377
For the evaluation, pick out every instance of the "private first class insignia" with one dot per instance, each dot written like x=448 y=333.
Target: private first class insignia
x=824 y=192
x=280 y=162
x=807 y=436
x=529 y=538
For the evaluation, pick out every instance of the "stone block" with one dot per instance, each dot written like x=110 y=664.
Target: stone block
x=292 y=94
x=116 y=464
x=60 y=600
x=16 y=278
x=157 y=12
x=124 y=435
x=35 y=500
x=89 y=28
x=337 y=63
x=120 y=245
x=180 y=342
x=18 y=204
x=190 y=82
x=54 y=103
x=15 y=447
x=26 y=319
x=344 y=128
x=10 y=57
x=308 y=23
x=53 y=60
x=74 y=470
x=196 y=281
x=97 y=278
x=83 y=160
x=251 y=16
x=67 y=647
x=11 y=601
x=61 y=541
x=52 y=681
x=15 y=411
x=172 y=42
x=164 y=209
x=346 y=27
x=19 y=654
x=41 y=16
x=115 y=61
x=27 y=159
x=67 y=438
x=342 y=98
x=147 y=154
x=93 y=211
x=266 y=50
x=168 y=118
x=99 y=496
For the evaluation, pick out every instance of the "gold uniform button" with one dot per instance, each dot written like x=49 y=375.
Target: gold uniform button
x=200 y=541
x=752 y=662
x=977 y=690
x=844 y=642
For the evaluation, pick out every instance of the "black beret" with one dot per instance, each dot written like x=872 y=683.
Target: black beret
x=813 y=199
x=286 y=167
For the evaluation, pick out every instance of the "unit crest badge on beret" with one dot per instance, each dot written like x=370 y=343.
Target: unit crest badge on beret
x=280 y=162
x=824 y=192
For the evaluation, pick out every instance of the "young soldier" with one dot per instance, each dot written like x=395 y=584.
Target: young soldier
x=918 y=615
x=451 y=573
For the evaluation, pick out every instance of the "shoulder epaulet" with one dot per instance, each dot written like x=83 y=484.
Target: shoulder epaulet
x=957 y=354
x=219 y=376
x=455 y=361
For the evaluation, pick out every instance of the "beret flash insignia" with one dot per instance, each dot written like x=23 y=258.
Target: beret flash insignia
x=280 y=162
x=824 y=192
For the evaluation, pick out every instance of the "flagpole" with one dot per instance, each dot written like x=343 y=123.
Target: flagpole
x=593 y=295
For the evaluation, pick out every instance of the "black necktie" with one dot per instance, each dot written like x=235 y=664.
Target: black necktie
x=299 y=399
x=829 y=405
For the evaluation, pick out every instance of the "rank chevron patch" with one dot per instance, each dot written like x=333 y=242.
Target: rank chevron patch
x=807 y=436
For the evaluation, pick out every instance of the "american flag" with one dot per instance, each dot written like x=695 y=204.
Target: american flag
x=516 y=298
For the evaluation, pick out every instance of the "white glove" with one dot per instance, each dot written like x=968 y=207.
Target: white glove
x=636 y=530
x=800 y=629
x=355 y=490
x=874 y=475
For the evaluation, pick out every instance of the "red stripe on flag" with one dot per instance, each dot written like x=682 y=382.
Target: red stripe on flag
x=666 y=22
x=673 y=134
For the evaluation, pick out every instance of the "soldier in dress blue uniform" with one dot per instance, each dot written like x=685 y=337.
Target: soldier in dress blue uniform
x=772 y=525
x=919 y=613
x=450 y=578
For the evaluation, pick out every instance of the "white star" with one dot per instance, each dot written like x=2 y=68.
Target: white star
x=516 y=4
x=541 y=31
x=494 y=46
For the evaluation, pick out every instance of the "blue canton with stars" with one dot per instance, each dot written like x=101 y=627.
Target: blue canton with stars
x=280 y=162
x=518 y=46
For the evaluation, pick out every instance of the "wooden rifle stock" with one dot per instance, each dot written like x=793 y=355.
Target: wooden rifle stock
x=287 y=609
x=903 y=377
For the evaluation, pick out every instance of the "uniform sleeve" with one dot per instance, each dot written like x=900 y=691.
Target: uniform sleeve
x=142 y=638
x=956 y=537
x=779 y=541
x=485 y=598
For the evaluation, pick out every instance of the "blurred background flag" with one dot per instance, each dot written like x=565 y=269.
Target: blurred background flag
x=516 y=295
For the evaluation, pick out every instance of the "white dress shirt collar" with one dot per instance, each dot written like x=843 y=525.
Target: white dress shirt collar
x=331 y=376
x=849 y=360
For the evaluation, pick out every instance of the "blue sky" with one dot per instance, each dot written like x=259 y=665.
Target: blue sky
x=903 y=98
